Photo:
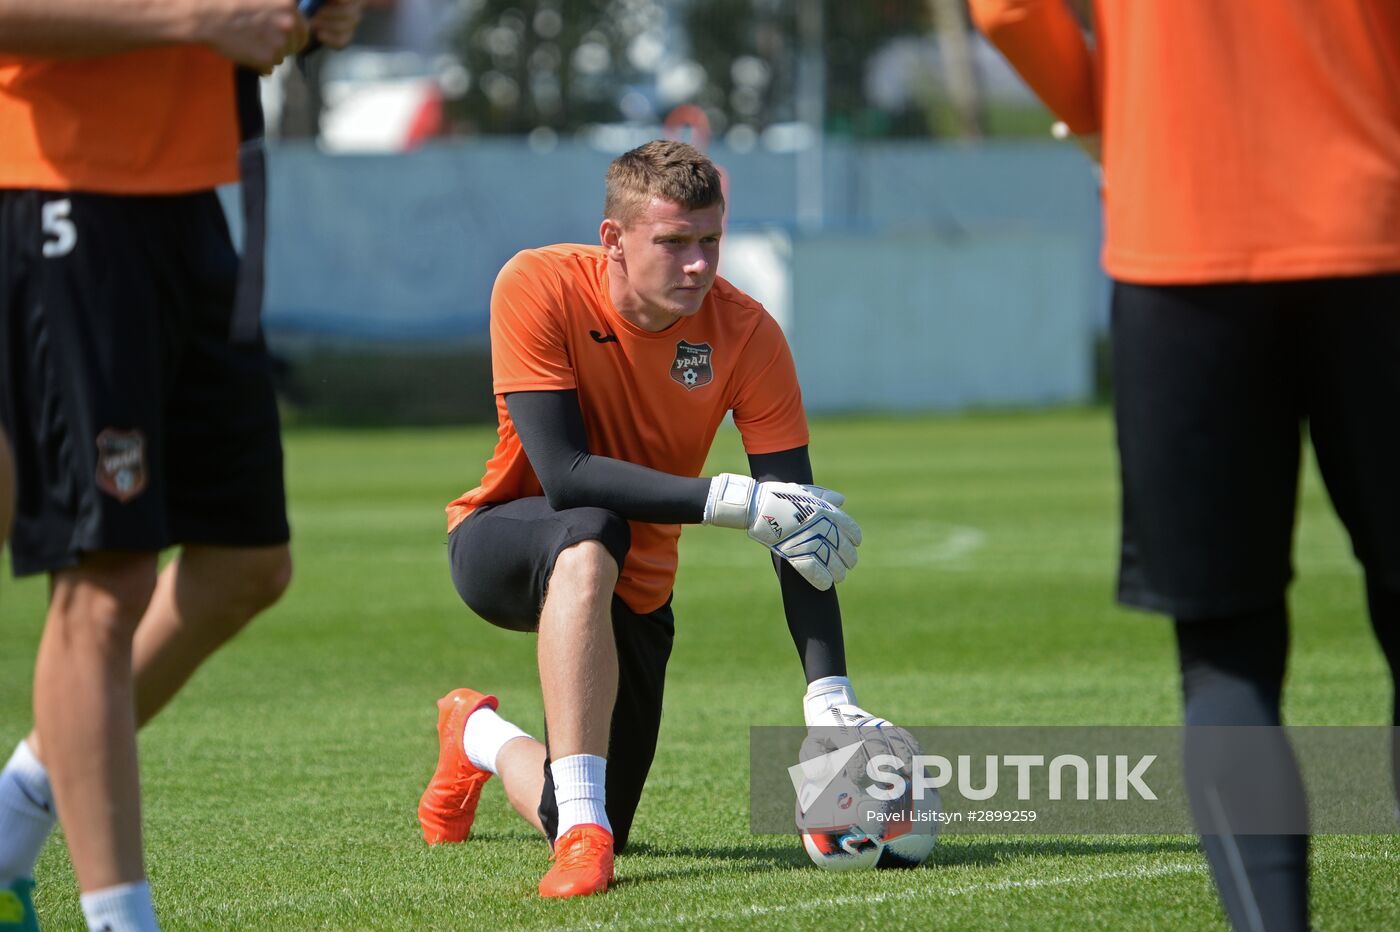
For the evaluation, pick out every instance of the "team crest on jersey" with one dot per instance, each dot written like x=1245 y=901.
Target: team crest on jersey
x=121 y=463
x=691 y=367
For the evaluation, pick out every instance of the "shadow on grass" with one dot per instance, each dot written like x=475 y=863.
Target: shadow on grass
x=650 y=861
x=522 y=835
x=745 y=858
x=989 y=852
x=980 y=853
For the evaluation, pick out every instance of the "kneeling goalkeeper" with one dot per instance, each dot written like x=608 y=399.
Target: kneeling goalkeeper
x=613 y=367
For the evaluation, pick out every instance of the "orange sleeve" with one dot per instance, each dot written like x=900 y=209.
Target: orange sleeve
x=768 y=401
x=528 y=348
x=1042 y=41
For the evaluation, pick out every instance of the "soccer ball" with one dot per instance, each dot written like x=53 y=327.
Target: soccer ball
x=896 y=840
x=847 y=829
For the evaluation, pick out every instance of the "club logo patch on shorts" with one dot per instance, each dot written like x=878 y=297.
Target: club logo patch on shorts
x=121 y=463
x=692 y=365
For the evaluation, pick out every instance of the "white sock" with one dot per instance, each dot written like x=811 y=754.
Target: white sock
x=27 y=814
x=123 y=908
x=484 y=736
x=578 y=790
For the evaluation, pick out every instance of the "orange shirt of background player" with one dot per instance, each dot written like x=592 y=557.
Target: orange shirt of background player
x=1243 y=140
x=154 y=121
x=655 y=399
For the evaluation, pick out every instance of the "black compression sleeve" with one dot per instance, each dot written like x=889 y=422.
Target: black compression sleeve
x=813 y=616
x=551 y=430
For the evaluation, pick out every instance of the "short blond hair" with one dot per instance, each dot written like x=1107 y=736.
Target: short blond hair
x=663 y=168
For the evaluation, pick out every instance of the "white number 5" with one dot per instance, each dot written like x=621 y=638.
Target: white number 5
x=60 y=227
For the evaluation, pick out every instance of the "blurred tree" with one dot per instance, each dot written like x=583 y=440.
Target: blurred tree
x=567 y=63
x=855 y=32
x=959 y=77
x=749 y=50
x=555 y=63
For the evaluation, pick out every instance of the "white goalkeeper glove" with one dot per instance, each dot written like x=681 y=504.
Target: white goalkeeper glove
x=830 y=705
x=834 y=721
x=803 y=524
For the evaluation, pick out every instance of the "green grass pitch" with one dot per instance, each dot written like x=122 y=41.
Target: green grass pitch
x=280 y=787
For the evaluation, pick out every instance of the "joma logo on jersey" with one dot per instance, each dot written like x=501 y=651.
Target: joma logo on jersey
x=691 y=366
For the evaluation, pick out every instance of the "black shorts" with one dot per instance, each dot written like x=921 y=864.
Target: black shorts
x=1214 y=384
x=502 y=556
x=136 y=422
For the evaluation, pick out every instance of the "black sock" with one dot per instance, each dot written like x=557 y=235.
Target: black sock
x=1232 y=674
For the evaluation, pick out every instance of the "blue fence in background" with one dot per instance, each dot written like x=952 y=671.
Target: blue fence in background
x=403 y=249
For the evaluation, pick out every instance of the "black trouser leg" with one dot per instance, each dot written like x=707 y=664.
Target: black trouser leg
x=1232 y=675
x=1385 y=619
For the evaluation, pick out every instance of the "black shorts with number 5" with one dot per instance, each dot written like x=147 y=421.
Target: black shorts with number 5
x=136 y=422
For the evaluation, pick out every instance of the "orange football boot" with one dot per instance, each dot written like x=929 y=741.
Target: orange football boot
x=583 y=863
x=448 y=805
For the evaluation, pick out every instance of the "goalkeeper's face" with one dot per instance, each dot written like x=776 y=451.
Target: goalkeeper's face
x=667 y=258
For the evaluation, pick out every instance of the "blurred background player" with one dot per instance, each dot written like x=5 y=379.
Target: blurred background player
x=135 y=391
x=613 y=366
x=1251 y=164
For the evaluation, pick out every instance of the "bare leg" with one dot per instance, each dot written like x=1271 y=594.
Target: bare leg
x=203 y=598
x=84 y=711
x=520 y=765
x=578 y=678
x=577 y=653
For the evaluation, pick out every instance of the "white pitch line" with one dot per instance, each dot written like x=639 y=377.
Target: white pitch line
x=954 y=542
x=1136 y=873
x=924 y=543
x=754 y=912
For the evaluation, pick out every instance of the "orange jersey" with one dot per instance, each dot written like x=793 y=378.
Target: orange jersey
x=1243 y=140
x=655 y=399
x=155 y=121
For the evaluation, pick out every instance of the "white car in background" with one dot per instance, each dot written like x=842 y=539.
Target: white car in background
x=375 y=100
